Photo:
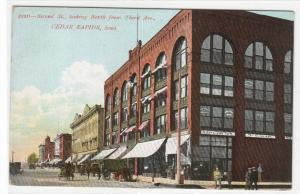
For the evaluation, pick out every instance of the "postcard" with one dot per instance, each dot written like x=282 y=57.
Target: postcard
x=151 y=98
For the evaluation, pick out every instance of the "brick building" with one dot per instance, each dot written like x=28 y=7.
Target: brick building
x=49 y=149
x=65 y=147
x=230 y=75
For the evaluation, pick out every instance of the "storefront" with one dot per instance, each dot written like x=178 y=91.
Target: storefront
x=213 y=151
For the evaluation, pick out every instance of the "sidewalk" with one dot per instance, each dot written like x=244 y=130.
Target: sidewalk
x=210 y=184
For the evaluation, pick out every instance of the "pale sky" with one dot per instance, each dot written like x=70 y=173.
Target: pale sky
x=54 y=73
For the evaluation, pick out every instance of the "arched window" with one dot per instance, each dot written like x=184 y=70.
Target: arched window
x=108 y=105
x=146 y=77
x=180 y=53
x=116 y=97
x=288 y=62
x=216 y=49
x=161 y=67
x=133 y=85
x=124 y=92
x=259 y=57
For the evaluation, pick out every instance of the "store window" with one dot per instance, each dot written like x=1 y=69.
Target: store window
x=180 y=54
x=216 y=49
x=258 y=56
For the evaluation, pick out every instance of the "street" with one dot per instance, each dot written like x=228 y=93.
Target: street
x=49 y=177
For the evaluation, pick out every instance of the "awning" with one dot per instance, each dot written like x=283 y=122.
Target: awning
x=143 y=125
x=130 y=129
x=146 y=73
x=163 y=65
x=68 y=159
x=146 y=99
x=171 y=145
x=57 y=161
x=161 y=91
x=85 y=158
x=103 y=154
x=145 y=149
x=74 y=158
x=121 y=150
x=79 y=157
x=123 y=131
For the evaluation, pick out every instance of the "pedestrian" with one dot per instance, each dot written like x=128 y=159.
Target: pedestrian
x=253 y=178
x=99 y=172
x=259 y=171
x=88 y=170
x=229 y=179
x=217 y=178
x=247 y=179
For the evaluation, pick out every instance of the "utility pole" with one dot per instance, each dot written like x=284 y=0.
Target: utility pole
x=178 y=131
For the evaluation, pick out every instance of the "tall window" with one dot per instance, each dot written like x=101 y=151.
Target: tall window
x=146 y=106
x=180 y=54
x=107 y=123
x=146 y=77
x=160 y=124
x=259 y=90
x=160 y=101
x=183 y=87
x=116 y=97
x=116 y=119
x=133 y=110
x=219 y=118
x=124 y=92
x=216 y=49
x=287 y=123
x=259 y=121
x=259 y=57
x=107 y=139
x=133 y=85
x=217 y=85
x=176 y=90
x=123 y=136
x=175 y=117
x=161 y=72
x=183 y=118
x=124 y=115
x=205 y=116
x=114 y=138
x=228 y=89
x=288 y=93
x=108 y=105
x=205 y=83
x=288 y=62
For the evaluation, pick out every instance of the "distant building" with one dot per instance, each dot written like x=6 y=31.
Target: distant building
x=57 y=146
x=87 y=132
x=65 y=145
x=49 y=149
x=41 y=153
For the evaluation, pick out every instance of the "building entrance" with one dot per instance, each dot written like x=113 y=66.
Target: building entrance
x=212 y=152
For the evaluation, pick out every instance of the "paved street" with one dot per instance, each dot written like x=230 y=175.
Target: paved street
x=49 y=177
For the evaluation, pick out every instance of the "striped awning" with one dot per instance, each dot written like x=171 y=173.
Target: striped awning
x=118 y=153
x=171 y=145
x=130 y=129
x=143 y=125
x=103 y=154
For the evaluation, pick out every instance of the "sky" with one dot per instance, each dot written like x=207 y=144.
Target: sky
x=59 y=63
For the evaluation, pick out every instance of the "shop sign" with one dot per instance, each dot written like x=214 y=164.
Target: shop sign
x=222 y=133
x=264 y=136
x=288 y=137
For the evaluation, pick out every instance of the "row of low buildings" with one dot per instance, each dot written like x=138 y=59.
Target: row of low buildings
x=224 y=79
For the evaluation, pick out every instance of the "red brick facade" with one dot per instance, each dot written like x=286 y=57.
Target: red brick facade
x=240 y=29
x=65 y=146
x=49 y=149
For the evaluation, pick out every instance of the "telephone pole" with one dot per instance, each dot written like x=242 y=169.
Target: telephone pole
x=12 y=156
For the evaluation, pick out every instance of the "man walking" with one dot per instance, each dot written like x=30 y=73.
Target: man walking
x=217 y=178
x=253 y=178
x=259 y=171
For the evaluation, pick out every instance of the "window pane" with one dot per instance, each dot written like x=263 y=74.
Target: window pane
x=217 y=56
x=269 y=91
x=204 y=140
x=259 y=49
x=268 y=53
x=259 y=90
x=249 y=51
x=228 y=48
x=269 y=122
x=259 y=121
x=217 y=85
x=269 y=64
x=206 y=43
x=287 y=67
x=228 y=118
x=249 y=120
x=205 y=116
x=258 y=62
x=248 y=88
x=217 y=152
x=217 y=41
x=205 y=55
x=217 y=117
x=228 y=86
